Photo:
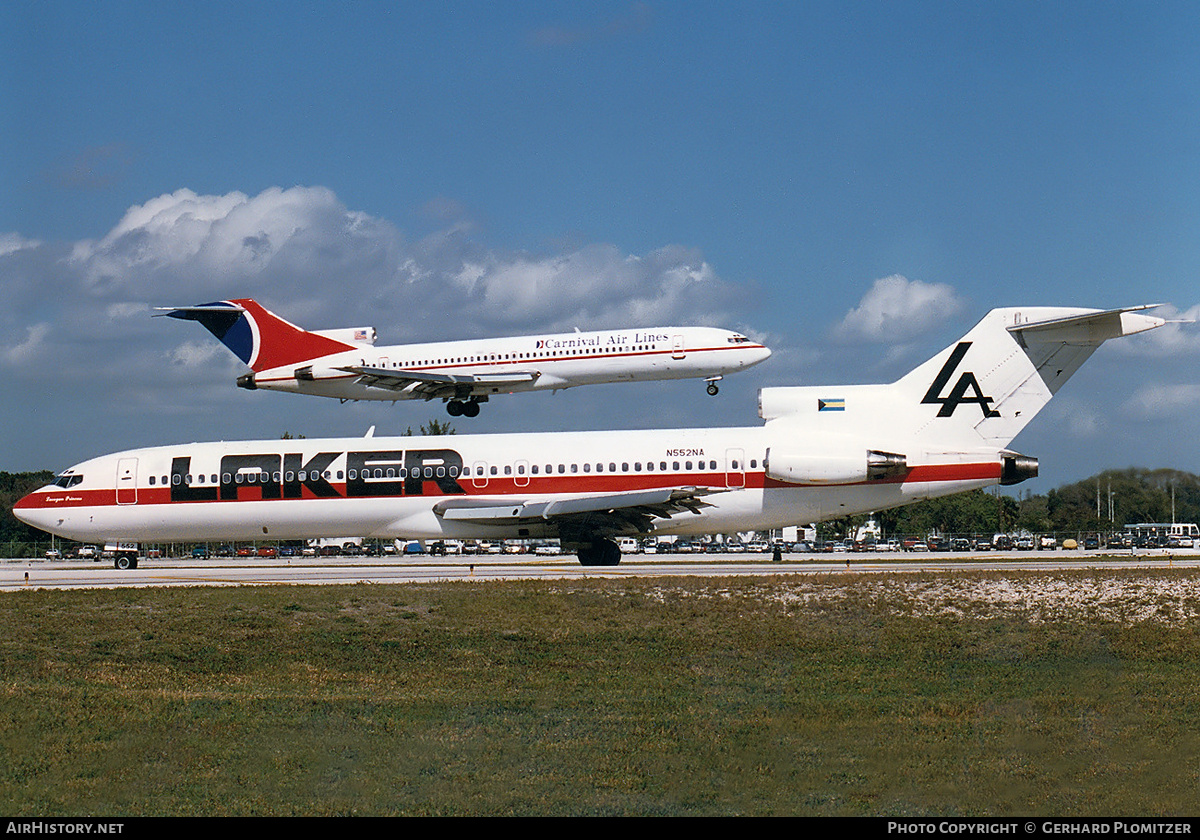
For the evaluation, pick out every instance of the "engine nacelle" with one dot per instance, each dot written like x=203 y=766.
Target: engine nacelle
x=308 y=373
x=350 y=335
x=833 y=467
x=780 y=402
x=1017 y=468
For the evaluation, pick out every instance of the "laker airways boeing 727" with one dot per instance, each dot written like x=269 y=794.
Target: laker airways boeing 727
x=824 y=452
x=345 y=364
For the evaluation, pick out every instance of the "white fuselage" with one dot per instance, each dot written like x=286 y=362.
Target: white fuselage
x=565 y=360
x=399 y=486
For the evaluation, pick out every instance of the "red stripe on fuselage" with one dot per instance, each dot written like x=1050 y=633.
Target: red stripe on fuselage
x=507 y=486
x=520 y=364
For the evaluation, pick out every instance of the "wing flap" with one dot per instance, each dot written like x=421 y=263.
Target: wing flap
x=434 y=385
x=638 y=506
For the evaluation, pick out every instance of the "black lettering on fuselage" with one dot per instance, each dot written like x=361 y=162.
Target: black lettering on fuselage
x=257 y=471
x=313 y=472
x=375 y=473
x=181 y=488
x=390 y=472
x=436 y=465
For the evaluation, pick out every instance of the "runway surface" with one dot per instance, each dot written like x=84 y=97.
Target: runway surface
x=18 y=575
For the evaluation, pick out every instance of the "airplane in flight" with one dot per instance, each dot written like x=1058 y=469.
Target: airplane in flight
x=345 y=363
x=823 y=452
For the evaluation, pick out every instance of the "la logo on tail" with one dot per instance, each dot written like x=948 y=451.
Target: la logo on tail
x=958 y=395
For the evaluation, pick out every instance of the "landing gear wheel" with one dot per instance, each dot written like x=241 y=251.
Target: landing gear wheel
x=471 y=409
x=124 y=562
x=600 y=553
x=713 y=389
x=454 y=408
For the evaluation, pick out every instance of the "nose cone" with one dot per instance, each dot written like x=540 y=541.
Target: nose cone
x=33 y=510
x=759 y=354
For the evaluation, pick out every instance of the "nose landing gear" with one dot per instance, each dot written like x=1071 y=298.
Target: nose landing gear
x=712 y=385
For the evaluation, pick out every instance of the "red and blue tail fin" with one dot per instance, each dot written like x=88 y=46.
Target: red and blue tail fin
x=257 y=336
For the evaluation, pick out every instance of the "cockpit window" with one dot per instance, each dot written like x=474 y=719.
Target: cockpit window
x=67 y=480
x=738 y=339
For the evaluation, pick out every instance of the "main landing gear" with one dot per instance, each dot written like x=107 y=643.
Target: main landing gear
x=712 y=385
x=599 y=553
x=460 y=408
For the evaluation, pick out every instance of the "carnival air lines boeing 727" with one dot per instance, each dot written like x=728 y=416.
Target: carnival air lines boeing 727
x=345 y=364
x=824 y=452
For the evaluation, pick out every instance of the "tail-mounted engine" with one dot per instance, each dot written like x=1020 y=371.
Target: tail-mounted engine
x=1016 y=468
x=834 y=467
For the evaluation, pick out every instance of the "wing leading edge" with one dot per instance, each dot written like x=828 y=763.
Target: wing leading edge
x=438 y=385
x=604 y=514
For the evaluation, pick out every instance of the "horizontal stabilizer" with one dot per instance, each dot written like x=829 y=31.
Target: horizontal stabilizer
x=1090 y=327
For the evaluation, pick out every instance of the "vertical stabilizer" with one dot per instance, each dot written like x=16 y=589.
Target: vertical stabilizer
x=978 y=392
x=987 y=386
x=257 y=336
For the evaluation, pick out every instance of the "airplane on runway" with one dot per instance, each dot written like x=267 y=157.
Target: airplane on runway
x=824 y=452
x=345 y=364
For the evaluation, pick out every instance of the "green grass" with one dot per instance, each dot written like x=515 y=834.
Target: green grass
x=689 y=697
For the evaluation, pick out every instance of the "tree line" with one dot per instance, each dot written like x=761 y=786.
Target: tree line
x=1103 y=503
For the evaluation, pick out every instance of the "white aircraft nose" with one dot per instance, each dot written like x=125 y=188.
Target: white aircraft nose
x=31 y=513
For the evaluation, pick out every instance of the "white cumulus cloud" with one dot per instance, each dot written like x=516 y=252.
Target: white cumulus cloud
x=1155 y=401
x=896 y=309
x=301 y=252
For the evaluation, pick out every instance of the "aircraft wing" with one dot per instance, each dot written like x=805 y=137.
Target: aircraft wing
x=601 y=513
x=438 y=385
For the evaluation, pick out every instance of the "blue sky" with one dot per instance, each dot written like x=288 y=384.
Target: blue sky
x=781 y=168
